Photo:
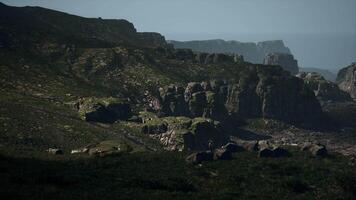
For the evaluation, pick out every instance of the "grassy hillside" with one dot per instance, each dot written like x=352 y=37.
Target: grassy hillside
x=47 y=65
x=166 y=175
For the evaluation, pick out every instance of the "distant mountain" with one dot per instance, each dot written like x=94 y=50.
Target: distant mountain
x=252 y=52
x=328 y=75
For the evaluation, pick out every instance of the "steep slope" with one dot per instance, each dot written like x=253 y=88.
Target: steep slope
x=251 y=52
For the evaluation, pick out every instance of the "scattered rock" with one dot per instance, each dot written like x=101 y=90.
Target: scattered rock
x=265 y=153
x=55 y=151
x=109 y=147
x=315 y=149
x=279 y=152
x=222 y=154
x=196 y=158
x=79 y=151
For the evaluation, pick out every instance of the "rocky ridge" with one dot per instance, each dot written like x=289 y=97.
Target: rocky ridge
x=252 y=52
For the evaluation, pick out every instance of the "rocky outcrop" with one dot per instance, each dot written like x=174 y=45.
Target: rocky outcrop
x=198 y=157
x=251 y=52
x=182 y=133
x=324 y=90
x=346 y=79
x=328 y=75
x=266 y=92
x=286 y=61
x=105 y=110
x=315 y=149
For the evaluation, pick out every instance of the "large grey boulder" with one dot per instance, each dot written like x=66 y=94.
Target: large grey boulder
x=346 y=79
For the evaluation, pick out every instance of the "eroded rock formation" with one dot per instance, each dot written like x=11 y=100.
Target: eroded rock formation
x=324 y=90
x=260 y=92
x=286 y=61
x=346 y=79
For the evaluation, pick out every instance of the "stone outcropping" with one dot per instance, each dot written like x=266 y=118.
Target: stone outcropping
x=346 y=79
x=182 y=133
x=105 y=110
x=286 y=61
x=252 y=52
x=202 y=58
x=258 y=93
x=324 y=90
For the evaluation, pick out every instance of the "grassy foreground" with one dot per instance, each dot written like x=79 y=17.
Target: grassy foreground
x=144 y=175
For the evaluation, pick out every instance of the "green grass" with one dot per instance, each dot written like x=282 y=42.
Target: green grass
x=166 y=175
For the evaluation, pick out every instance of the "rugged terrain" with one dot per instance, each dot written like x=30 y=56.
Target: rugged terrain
x=124 y=108
x=252 y=52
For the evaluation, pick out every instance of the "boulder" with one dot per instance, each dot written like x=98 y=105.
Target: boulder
x=55 y=151
x=248 y=145
x=196 y=158
x=222 y=154
x=206 y=130
x=279 y=152
x=109 y=147
x=232 y=147
x=183 y=133
x=286 y=61
x=263 y=144
x=315 y=149
x=346 y=79
x=265 y=153
x=105 y=110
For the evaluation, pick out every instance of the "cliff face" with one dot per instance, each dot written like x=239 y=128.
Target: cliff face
x=324 y=90
x=22 y=26
x=251 y=52
x=346 y=79
x=261 y=91
x=286 y=61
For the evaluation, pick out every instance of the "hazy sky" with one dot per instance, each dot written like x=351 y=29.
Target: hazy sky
x=217 y=16
x=244 y=20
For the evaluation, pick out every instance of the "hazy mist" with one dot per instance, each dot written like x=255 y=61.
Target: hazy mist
x=320 y=33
